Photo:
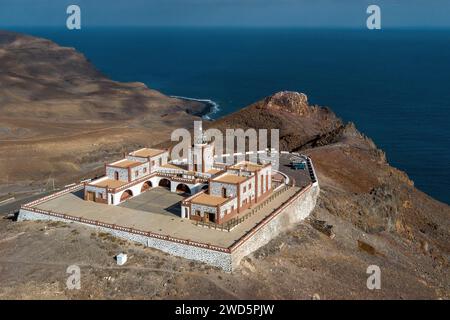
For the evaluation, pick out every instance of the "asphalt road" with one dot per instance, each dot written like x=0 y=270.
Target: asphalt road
x=13 y=206
x=302 y=177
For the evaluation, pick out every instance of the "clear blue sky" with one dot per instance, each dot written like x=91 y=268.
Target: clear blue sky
x=282 y=13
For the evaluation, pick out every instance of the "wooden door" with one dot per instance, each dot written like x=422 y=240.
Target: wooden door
x=91 y=196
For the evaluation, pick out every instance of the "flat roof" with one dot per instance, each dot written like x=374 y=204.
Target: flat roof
x=125 y=163
x=108 y=183
x=247 y=165
x=172 y=166
x=208 y=199
x=147 y=152
x=230 y=178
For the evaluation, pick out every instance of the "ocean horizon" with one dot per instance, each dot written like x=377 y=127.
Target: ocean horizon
x=393 y=84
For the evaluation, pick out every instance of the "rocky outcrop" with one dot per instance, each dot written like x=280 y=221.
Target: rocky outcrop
x=289 y=101
x=80 y=118
x=372 y=208
x=301 y=125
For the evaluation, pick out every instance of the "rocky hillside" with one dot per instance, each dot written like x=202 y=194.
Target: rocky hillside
x=377 y=215
x=69 y=120
x=58 y=113
x=300 y=124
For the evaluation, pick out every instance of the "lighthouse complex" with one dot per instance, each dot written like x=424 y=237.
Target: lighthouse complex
x=216 y=191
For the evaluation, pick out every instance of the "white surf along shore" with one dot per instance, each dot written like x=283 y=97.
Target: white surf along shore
x=214 y=107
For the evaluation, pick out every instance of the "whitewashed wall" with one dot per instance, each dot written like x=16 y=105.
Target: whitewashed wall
x=215 y=188
x=249 y=193
x=227 y=206
x=99 y=192
x=123 y=173
x=140 y=171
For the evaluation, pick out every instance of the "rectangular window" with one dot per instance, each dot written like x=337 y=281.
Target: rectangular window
x=249 y=186
x=136 y=173
x=244 y=189
x=145 y=170
x=197 y=212
x=153 y=163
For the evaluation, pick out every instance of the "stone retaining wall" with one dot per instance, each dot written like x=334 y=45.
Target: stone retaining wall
x=292 y=212
x=211 y=257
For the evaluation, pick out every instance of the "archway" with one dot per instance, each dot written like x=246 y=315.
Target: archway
x=164 y=183
x=125 y=195
x=205 y=187
x=147 y=185
x=182 y=188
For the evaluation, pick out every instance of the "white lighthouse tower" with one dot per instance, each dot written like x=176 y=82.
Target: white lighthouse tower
x=201 y=154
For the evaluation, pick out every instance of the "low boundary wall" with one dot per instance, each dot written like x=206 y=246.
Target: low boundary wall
x=221 y=259
x=297 y=208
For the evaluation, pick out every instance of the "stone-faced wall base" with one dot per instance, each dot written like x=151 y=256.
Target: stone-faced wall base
x=296 y=211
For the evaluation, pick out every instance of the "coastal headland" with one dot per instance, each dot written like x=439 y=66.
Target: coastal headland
x=61 y=119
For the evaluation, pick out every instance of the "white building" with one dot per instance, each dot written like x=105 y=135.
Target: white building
x=217 y=191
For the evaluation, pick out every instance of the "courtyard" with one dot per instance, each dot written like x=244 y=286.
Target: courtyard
x=157 y=200
x=159 y=216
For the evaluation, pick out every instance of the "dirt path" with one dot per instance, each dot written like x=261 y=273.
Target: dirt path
x=121 y=268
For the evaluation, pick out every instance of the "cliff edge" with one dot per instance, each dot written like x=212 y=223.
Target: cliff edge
x=61 y=119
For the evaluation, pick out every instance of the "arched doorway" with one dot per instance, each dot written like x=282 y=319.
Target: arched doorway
x=125 y=195
x=147 y=185
x=205 y=187
x=164 y=183
x=182 y=188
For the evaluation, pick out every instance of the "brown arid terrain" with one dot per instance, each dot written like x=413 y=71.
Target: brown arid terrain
x=61 y=118
x=375 y=214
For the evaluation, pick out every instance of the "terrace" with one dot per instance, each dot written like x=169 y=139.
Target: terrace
x=160 y=218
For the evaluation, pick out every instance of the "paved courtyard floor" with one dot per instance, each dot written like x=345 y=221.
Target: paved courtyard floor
x=156 y=200
x=163 y=220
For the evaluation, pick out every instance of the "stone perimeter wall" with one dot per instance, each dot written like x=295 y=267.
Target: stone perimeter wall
x=211 y=257
x=298 y=210
x=295 y=212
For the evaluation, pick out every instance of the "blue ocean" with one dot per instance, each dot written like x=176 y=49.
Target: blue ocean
x=393 y=84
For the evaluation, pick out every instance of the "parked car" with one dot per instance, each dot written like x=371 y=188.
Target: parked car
x=298 y=165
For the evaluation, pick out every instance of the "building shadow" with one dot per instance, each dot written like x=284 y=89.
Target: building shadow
x=79 y=194
x=174 y=209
